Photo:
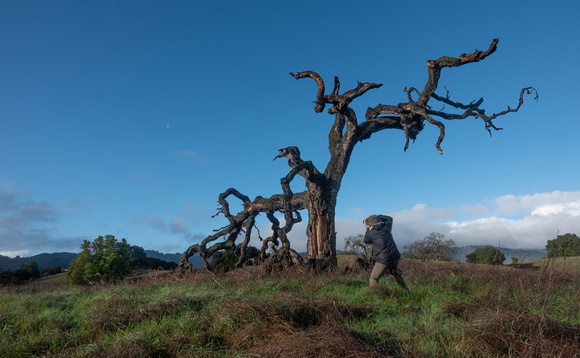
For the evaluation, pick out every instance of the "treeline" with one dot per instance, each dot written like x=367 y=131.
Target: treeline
x=434 y=247
x=140 y=259
x=62 y=259
x=106 y=259
x=103 y=259
x=26 y=273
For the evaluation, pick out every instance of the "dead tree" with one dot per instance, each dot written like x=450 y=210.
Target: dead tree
x=322 y=188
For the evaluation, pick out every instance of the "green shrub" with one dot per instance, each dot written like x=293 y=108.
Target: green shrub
x=486 y=255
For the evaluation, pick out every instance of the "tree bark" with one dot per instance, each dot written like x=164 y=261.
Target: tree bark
x=321 y=231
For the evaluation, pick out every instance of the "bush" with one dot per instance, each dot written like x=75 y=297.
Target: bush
x=486 y=255
x=104 y=259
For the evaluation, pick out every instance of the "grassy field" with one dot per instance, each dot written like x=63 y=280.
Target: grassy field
x=453 y=310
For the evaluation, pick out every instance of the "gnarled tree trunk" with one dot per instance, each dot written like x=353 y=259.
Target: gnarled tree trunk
x=321 y=233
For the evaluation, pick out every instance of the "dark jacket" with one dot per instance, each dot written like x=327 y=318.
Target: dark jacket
x=384 y=248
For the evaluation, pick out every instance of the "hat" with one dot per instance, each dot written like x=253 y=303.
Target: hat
x=372 y=220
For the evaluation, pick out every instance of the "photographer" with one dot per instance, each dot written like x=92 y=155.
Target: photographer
x=385 y=252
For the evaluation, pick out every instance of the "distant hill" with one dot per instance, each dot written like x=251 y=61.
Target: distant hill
x=64 y=259
x=523 y=255
x=195 y=261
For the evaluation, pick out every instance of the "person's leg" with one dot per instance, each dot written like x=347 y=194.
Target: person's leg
x=376 y=273
x=394 y=270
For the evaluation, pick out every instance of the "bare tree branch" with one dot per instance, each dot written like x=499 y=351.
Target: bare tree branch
x=244 y=219
x=527 y=90
x=409 y=91
x=435 y=67
x=473 y=110
x=342 y=101
x=320 y=100
x=446 y=100
x=339 y=102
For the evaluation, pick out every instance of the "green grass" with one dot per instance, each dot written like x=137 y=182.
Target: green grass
x=453 y=310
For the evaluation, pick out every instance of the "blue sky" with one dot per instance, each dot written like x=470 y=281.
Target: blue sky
x=130 y=117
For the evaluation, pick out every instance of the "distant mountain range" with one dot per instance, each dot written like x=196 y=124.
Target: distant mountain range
x=64 y=259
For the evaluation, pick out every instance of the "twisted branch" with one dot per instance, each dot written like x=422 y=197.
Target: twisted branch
x=339 y=102
x=435 y=67
x=412 y=113
x=288 y=203
x=320 y=100
x=473 y=110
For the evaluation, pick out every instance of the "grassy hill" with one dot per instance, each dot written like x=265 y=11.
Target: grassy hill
x=453 y=310
x=560 y=264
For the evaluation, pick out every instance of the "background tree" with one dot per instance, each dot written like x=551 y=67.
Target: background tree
x=355 y=245
x=432 y=247
x=5 y=277
x=154 y=263
x=50 y=270
x=486 y=255
x=322 y=186
x=564 y=246
x=27 y=272
x=103 y=259
x=138 y=257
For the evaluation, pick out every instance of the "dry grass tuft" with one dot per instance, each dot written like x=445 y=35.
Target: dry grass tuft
x=325 y=340
x=525 y=335
x=296 y=328
x=501 y=331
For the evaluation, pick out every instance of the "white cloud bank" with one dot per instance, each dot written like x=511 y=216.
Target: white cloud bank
x=526 y=221
x=26 y=224
x=539 y=218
